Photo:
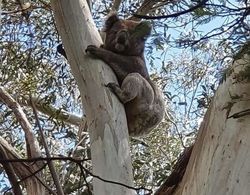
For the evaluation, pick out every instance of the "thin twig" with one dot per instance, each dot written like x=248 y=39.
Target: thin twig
x=85 y=179
x=46 y=147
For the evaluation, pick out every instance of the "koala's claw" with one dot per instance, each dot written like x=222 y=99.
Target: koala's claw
x=112 y=86
x=90 y=48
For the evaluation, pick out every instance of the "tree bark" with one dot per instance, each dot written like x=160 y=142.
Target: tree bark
x=220 y=161
x=105 y=114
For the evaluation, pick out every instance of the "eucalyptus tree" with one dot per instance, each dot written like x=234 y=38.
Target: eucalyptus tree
x=191 y=43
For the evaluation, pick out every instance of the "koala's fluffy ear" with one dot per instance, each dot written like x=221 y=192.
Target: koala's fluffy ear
x=111 y=19
x=142 y=30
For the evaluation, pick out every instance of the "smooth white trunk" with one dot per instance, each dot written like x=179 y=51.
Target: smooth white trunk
x=105 y=115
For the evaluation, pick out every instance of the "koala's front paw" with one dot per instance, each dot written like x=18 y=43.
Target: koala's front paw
x=112 y=86
x=91 y=49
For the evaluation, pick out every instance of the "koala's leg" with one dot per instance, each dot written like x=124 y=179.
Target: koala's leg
x=130 y=88
x=123 y=94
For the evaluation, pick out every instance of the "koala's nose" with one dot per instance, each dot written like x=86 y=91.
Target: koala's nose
x=122 y=37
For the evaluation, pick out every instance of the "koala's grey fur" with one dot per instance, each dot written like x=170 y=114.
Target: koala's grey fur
x=123 y=51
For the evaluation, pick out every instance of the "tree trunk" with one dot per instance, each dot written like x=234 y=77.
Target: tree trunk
x=220 y=161
x=105 y=114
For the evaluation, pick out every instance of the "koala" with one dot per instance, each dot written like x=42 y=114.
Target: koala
x=123 y=51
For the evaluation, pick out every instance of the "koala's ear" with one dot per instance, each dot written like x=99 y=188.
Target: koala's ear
x=112 y=18
x=142 y=30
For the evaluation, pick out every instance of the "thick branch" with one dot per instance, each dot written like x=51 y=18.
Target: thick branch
x=31 y=142
x=34 y=184
x=12 y=154
x=10 y=172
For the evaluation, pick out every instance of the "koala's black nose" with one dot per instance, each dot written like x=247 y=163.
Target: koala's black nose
x=122 y=37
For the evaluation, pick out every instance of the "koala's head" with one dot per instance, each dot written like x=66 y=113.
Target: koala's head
x=126 y=37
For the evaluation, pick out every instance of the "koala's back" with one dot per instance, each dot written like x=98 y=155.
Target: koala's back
x=146 y=110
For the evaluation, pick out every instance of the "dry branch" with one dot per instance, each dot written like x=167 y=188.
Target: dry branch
x=31 y=142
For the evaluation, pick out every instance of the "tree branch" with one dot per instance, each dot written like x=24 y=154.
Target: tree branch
x=201 y=4
x=116 y=5
x=10 y=172
x=47 y=109
x=46 y=147
x=145 y=8
x=31 y=142
x=23 y=170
